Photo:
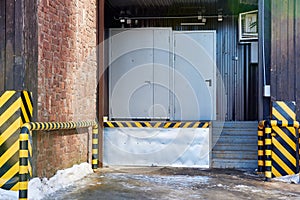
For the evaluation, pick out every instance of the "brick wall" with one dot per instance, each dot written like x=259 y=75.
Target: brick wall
x=67 y=80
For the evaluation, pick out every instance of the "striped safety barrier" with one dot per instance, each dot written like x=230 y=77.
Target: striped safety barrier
x=284 y=140
x=15 y=110
x=25 y=147
x=150 y=124
x=278 y=144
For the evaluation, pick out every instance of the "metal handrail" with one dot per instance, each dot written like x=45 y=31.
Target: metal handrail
x=26 y=150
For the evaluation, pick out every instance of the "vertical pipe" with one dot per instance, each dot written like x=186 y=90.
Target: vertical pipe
x=95 y=147
x=101 y=71
x=268 y=151
x=23 y=164
x=260 y=147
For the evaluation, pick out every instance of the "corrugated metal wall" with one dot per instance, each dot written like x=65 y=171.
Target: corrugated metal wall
x=285 y=51
x=230 y=62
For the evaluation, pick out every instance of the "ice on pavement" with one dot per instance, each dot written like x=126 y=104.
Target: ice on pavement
x=39 y=188
x=289 y=179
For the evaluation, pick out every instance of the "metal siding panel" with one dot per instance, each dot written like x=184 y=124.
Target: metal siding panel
x=2 y=44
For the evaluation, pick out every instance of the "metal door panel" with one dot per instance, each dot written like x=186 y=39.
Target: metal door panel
x=131 y=74
x=194 y=76
x=161 y=67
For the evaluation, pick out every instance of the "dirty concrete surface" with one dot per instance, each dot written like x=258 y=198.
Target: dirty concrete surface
x=176 y=183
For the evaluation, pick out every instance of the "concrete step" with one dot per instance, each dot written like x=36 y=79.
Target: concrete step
x=235 y=145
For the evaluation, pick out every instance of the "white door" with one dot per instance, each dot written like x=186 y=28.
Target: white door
x=195 y=75
x=139 y=73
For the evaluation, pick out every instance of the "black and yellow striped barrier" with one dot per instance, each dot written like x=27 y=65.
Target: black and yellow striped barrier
x=25 y=147
x=284 y=140
x=15 y=110
x=151 y=124
x=268 y=149
x=278 y=143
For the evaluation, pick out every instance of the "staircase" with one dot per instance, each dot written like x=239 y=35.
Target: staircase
x=234 y=145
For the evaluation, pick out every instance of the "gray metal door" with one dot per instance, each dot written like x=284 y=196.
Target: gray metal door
x=139 y=73
x=195 y=75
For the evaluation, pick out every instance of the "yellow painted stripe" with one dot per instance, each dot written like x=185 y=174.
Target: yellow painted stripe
x=285 y=137
x=9 y=153
x=94 y=161
x=138 y=124
x=167 y=125
x=177 y=125
x=196 y=124
x=10 y=130
x=95 y=141
x=292 y=130
x=110 y=124
x=260 y=143
x=23 y=169
x=24 y=137
x=260 y=163
x=157 y=124
x=23 y=185
x=23 y=153
x=206 y=124
x=260 y=152
x=9 y=174
x=15 y=187
x=268 y=163
x=187 y=124
x=128 y=124
x=5 y=97
x=287 y=109
x=268 y=141
x=268 y=130
x=275 y=172
x=282 y=164
x=278 y=115
x=28 y=102
x=120 y=124
x=95 y=151
x=268 y=152
x=268 y=174
x=23 y=199
x=148 y=124
x=284 y=152
x=24 y=113
x=10 y=111
x=260 y=133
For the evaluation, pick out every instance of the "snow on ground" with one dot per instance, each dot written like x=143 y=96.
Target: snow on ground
x=39 y=188
x=289 y=179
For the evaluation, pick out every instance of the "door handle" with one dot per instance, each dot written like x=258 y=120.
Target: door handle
x=209 y=82
x=148 y=83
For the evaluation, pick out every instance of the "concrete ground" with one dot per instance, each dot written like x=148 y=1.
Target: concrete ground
x=176 y=183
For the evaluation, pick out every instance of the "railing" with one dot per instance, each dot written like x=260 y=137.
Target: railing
x=25 y=152
x=268 y=141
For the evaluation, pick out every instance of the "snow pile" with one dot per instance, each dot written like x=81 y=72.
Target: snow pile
x=39 y=188
x=289 y=179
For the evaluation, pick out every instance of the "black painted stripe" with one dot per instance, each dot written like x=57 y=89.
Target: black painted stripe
x=11 y=182
x=9 y=142
x=25 y=103
x=284 y=159
x=286 y=146
x=9 y=102
x=9 y=121
x=9 y=163
x=279 y=169
x=283 y=113
x=23 y=194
